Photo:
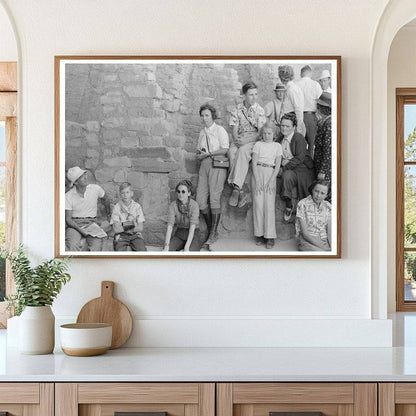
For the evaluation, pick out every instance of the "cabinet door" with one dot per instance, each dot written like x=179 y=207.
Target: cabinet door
x=26 y=399
x=145 y=399
x=397 y=399
x=296 y=399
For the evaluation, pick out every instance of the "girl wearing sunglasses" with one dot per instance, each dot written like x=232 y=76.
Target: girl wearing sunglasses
x=183 y=221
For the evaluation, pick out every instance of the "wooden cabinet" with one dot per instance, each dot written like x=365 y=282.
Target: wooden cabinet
x=105 y=399
x=397 y=399
x=207 y=399
x=27 y=399
x=262 y=399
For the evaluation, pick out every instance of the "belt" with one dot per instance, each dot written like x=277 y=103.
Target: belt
x=84 y=218
x=265 y=165
x=309 y=112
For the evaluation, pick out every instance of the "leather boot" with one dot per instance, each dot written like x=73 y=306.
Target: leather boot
x=213 y=235
x=208 y=220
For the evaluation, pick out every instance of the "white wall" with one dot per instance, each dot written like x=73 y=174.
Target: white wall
x=401 y=74
x=8 y=47
x=179 y=302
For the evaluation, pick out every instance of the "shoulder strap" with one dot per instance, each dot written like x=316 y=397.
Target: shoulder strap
x=251 y=124
x=207 y=139
x=281 y=107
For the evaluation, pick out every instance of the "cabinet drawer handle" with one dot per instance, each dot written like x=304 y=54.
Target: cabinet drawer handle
x=139 y=414
x=296 y=414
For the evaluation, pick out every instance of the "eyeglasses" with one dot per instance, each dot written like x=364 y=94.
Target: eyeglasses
x=181 y=192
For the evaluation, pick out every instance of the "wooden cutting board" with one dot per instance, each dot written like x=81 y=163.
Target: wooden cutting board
x=107 y=309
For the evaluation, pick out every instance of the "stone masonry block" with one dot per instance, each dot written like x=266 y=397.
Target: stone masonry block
x=163 y=127
x=171 y=105
x=91 y=163
x=93 y=126
x=114 y=122
x=145 y=90
x=111 y=98
x=73 y=130
x=92 y=153
x=105 y=174
x=92 y=139
x=151 y=76
x=130 y=142
x=154 y=165
x=74 y=142
x=149 y=141
x=174 y=141
x=137 y=179
x=120 y=176
x=111 y=136
x=140 y=124
x=153 y=152
x=155 y=204
x=118 y=161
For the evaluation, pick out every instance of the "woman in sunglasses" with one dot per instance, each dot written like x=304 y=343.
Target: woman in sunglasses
x=184 y=217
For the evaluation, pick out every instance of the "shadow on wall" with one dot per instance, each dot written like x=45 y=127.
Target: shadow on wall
x=141 y=123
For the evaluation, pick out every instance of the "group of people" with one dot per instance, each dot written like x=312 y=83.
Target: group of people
x=288 y=145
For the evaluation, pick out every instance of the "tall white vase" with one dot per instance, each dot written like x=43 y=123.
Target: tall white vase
x=37 y=330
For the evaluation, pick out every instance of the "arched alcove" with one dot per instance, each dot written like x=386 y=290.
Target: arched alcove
x=8 y=44
x=396 y=14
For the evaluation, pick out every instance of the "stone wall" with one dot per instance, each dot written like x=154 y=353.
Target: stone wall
x=140 y=123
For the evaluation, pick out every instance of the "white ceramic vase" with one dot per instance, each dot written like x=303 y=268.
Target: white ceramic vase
x=37 y=330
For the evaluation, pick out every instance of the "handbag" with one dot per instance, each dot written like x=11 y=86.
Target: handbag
x=218 y=161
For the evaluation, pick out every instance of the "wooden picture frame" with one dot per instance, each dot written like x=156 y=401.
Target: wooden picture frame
x=137 y=119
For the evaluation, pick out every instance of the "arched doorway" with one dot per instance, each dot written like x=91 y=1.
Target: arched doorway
x=396 y=14
x=8 y=148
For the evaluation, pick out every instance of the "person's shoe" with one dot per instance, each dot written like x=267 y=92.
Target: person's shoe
x=260 y=241
x=244 y=199
x=233 y=201
x=269 y=243
x=288 y=214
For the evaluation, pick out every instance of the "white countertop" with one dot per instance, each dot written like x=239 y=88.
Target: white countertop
x=213 y=364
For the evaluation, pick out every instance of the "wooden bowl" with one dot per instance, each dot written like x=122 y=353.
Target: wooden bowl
x=84 y=340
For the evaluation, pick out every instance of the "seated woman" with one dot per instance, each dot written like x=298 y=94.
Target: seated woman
x=313 y=219
x=184 y=213
x=297 y=171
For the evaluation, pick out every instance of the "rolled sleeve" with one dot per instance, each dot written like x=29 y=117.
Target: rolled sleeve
x=68 y=201
x=301 y=210
x=194 y=213
x=171 y=214
x=234 y=118
x=223 y=138
x=101 y=192
x=256 y=148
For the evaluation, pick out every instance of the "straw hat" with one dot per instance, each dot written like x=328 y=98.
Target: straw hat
x=325 y=74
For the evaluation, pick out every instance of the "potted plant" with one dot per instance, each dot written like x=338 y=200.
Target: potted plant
x=36 y=289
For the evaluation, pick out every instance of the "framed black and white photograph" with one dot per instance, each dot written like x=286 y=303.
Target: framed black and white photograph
x=198 y=156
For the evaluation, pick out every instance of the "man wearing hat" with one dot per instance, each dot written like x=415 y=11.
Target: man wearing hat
x=274 y=110
x=323 y=142
x=293 y=101
x=325 y=81
x=311 y=92
x=81 y=210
